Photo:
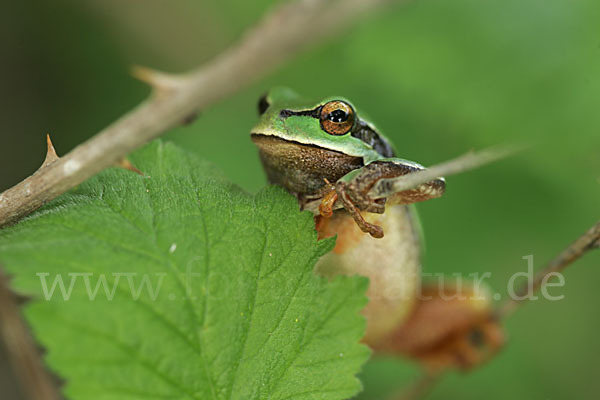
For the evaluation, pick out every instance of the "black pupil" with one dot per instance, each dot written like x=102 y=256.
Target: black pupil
x=338 y=116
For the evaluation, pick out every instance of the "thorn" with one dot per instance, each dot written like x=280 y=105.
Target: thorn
x=22 y=299
x=190 y=118
x=161 y=82
x=51 y=155
x=126 y=164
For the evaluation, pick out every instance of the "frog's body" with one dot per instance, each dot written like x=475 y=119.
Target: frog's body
x=329 y=158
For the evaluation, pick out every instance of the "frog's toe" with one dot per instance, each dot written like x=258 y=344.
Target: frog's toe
x=375 y=230
x=349 y=205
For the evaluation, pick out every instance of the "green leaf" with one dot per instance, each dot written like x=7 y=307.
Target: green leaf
x=179 y=285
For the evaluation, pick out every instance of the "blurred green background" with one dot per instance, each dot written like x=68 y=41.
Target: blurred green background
x=438 y=77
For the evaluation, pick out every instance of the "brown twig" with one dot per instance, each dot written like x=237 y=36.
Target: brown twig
x=588 y=241
x=457 y=165
x=34 y=378
x=283 y=33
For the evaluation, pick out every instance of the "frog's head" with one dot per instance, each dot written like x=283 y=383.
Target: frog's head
x=331 y=124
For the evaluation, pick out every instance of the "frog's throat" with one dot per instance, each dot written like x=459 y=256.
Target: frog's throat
x=302 y=168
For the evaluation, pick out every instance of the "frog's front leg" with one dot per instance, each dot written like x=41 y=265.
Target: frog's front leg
x=353 y=191
x=336 y=194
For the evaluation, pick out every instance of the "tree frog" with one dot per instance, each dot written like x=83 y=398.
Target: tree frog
x=329 y=157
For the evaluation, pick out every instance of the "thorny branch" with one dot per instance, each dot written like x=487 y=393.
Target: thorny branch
x=457 y=165
x=588 y=241
x=284 y=32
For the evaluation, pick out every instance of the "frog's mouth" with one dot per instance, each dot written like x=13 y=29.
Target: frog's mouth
x=272 y=146
x=268 y=142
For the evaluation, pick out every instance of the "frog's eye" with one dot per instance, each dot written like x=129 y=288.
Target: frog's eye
x=337 y=117
x=263 y=104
